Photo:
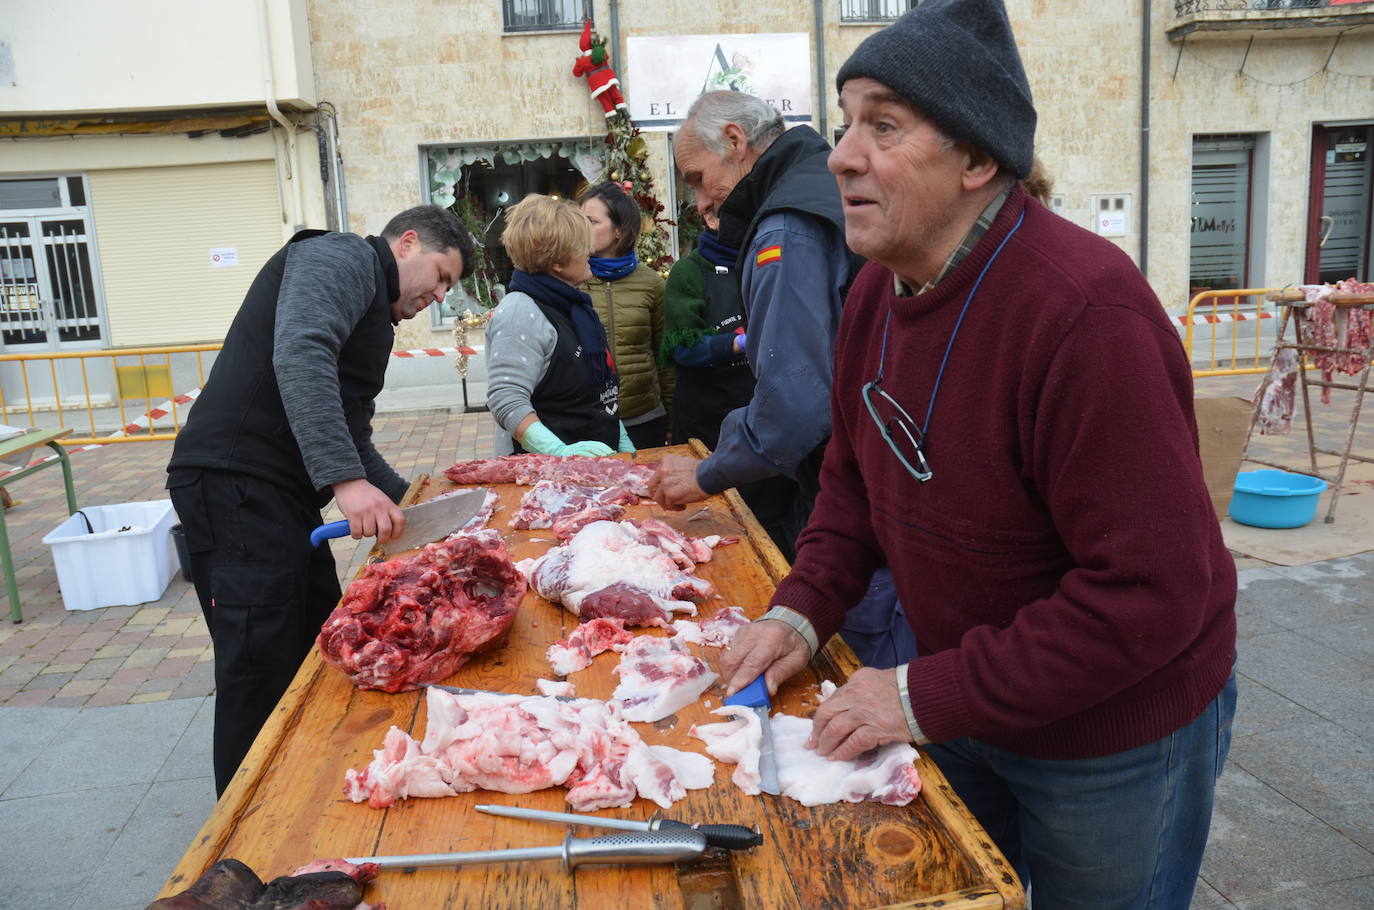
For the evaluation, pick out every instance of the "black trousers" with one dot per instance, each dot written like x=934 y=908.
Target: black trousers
x=264 y=591
x=648 y=435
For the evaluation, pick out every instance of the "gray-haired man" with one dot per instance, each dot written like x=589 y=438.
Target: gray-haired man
x=779 y=206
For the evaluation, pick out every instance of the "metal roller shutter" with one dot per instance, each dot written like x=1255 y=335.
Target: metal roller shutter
x=155 y=228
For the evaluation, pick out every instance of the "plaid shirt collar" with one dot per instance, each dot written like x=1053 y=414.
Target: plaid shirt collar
x=975 y=234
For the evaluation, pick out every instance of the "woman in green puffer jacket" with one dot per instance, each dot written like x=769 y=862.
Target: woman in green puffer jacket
x=628 y=297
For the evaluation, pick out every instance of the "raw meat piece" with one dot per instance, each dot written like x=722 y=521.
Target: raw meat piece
x=360 y=872
x=686 y=630
x=719 y=630
x=686 y=551
x=530 y=469
x=228 y=883
x=1338 y=327
x=716 y=632
x=322 y=885
x=567 y=508
x=658 y=677
x=886 y=774
x=552 y=687
x=516 y=744
x=1272 y=404
x=399 y=770
x=664 y=774
x=407 y=622
x=737 y=741
x=585 y=642
x=620 y=569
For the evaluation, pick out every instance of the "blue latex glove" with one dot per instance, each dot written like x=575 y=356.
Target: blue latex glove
x=742 y=336
x=625 y=444
x=539 y=438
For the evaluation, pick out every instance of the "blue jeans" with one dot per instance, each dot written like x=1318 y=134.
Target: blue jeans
x=1120 y=832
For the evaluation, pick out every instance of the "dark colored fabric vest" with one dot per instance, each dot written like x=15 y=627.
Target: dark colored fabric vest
x=239 y=423
x=566 y=400
x=705 y=394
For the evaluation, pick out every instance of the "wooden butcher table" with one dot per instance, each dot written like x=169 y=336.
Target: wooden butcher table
x=285 y=806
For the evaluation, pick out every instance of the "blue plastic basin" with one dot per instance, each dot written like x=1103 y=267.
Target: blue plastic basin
x=1275 y=499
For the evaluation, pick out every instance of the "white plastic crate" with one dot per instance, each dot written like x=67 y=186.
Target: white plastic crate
x=106 y=566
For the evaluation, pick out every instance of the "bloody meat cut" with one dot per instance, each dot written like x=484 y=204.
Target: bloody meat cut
x=658 y=677
x=568 y=508
x=518 y=744
x=407 y=622
x=568 y=655
x=530 y=469
x=886 y=774
x=638 y=572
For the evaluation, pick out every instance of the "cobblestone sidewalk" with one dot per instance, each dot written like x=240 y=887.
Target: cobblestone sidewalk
x=161 y=650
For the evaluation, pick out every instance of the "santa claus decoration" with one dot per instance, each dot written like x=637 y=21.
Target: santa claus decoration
x=594 y=63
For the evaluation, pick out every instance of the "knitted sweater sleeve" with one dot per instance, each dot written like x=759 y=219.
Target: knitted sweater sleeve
x=326 y=288
x=520 y=344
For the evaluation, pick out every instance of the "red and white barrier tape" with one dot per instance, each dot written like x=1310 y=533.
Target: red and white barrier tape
x=465 y=350
x=143 y=423
x=1213 y=318
x=165 y=409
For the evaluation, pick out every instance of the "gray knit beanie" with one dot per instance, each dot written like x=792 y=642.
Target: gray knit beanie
x=956 y=62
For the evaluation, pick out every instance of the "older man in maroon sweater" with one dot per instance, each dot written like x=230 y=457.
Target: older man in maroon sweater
x=1014 y=435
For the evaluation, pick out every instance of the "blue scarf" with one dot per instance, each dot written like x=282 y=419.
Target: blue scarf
x=716 y=252
x=613 y=268
x=577 y=306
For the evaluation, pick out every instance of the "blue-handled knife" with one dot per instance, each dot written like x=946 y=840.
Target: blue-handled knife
x=425 y=523
x=755 y=696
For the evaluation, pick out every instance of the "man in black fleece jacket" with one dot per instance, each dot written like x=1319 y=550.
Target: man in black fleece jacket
x=283 y=426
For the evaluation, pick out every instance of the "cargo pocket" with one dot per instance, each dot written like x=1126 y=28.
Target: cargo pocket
x=188 y=499
x=256 y=619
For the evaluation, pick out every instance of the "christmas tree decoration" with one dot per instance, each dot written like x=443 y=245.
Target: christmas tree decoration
x=595 y=63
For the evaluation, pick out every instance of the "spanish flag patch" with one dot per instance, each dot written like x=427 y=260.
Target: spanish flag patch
x=768 y=254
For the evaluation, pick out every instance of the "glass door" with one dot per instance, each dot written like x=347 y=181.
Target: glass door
x=1339 y=231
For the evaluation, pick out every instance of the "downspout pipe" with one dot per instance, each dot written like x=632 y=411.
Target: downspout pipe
x=1145 y=138
x=270 y=90
x=821 y=107
x=615 y=32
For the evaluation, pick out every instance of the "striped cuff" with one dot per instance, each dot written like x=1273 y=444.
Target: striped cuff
x=798 y=622
x=917 y=736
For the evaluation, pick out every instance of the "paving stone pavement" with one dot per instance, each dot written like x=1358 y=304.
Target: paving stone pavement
x=105 y=715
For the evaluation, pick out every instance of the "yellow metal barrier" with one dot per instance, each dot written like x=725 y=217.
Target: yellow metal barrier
x=1213 y=309
x=141 y=381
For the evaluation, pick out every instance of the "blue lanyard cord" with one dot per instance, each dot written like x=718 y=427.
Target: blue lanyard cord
x=882 y=357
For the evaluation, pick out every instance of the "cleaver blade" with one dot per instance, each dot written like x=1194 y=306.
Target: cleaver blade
x=436 y=519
